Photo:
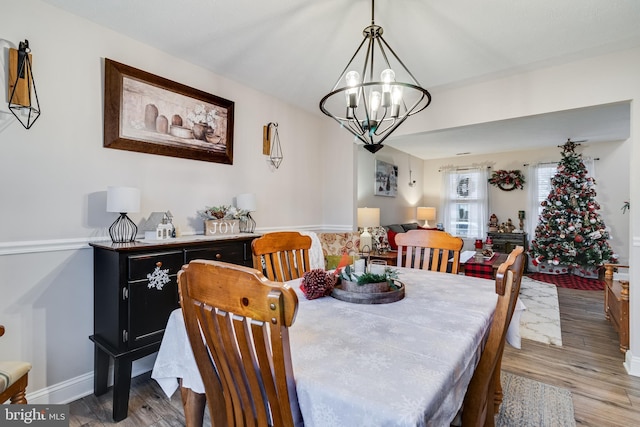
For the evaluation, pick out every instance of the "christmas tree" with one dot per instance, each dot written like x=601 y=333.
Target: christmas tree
x=570 y=230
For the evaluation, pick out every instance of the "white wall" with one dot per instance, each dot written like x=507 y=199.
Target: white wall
x=393 y=210
x=54 y=177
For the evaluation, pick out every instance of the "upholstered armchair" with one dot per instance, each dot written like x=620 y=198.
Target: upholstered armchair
x=13 y=379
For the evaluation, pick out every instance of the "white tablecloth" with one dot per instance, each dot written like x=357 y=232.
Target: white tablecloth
x=406 y=363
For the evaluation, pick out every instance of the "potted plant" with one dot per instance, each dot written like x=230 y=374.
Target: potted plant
x=367 y=282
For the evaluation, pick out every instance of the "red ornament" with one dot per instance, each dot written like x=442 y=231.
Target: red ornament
x=578 y=239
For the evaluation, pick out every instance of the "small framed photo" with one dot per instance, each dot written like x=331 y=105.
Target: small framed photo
x=150 y=114
x=386 y=180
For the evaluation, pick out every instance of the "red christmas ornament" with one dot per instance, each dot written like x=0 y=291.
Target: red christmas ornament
x=578 y=239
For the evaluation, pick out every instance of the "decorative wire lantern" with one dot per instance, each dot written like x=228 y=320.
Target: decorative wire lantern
x=21 y=100
x=372 y=109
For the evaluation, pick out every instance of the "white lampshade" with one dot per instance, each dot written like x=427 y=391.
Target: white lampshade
x=123 y=199
x=246 y=202
x=426 y=214
x=368 y=217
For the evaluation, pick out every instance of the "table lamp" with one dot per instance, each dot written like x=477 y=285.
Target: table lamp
x=426 y=214
x=367 y=217
x=123 y=200
x=247 y=202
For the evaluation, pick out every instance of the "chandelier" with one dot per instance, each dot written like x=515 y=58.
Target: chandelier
x=372 y=109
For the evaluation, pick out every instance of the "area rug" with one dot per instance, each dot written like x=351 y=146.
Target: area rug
x=569 y=281
x=541 y=320
x=529 y=403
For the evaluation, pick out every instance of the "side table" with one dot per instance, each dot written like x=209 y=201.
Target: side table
x=390 y=257
x=484 y=270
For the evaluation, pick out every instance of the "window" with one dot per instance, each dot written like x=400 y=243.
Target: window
x=465 y=202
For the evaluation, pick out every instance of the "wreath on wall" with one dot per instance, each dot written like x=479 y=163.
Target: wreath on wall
x=507 y=180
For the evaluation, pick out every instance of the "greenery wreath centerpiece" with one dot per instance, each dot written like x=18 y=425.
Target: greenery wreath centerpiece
x=507 y=180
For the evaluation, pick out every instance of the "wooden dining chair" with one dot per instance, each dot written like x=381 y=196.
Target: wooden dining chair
x=282 y=256
x=14 y=376
x=237 y=322
x=484 y=394
x=433 y=250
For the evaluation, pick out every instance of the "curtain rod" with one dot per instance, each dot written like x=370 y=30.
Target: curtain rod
x=463 y=169
x=555 y=163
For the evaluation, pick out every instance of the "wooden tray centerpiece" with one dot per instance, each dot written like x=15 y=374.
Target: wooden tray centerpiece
x=368 y=288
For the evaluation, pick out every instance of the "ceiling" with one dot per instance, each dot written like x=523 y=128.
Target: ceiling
x=295 y=50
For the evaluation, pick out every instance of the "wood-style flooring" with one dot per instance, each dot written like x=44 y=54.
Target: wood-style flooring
x=589 y=364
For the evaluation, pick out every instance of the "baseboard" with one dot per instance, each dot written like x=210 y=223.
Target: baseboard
x=81 y=386
x=632 y=364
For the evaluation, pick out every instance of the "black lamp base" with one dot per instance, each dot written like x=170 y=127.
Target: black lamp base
x=123 y=230
x=248 y=225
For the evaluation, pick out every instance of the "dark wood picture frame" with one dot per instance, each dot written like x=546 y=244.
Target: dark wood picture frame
x=150 y=114
x=386 y=179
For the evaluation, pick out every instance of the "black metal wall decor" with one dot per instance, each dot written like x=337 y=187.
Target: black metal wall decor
x=23 y=98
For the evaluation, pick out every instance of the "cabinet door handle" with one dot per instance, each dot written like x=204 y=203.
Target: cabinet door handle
x=218 y=256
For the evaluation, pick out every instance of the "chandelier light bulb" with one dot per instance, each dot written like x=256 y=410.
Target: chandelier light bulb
x=387 y=76
x=374 y=100
x=353 y=79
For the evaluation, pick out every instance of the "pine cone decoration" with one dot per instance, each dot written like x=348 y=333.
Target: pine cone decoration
x=317 y=283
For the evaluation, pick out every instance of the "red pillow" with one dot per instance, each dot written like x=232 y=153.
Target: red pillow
x=391 y=236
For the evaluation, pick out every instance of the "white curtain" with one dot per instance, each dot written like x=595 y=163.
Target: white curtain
x=465 y=201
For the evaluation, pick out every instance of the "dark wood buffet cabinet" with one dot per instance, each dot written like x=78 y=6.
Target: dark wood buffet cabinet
x=135 y=290
x=506 y=242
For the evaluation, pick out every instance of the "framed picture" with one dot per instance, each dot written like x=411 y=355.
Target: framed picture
x=386 y=179
x=150 y=114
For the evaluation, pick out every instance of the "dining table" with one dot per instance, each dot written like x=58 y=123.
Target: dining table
x=404 y=363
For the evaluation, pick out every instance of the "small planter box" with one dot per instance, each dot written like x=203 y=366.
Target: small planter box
x=221 y=227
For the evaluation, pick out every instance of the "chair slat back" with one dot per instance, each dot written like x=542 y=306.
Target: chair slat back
x=244 y=359
x=429 y=250
x=480 y=402
x=282 y=256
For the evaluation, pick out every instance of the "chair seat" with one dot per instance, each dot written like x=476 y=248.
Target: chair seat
x=11 y=372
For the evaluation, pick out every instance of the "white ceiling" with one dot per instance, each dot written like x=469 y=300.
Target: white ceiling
x=295 y=50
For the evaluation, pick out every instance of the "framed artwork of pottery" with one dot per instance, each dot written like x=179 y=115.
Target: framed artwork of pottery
x=150 y=114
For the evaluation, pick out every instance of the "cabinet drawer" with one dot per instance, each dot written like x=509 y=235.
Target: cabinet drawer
x=235 y=253
x=141 y=265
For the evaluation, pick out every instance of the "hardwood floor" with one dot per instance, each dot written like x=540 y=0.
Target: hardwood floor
x=589 y=364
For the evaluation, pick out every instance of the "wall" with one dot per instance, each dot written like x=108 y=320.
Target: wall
x=611 y=173
x=54 y=178
x=393 y=210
